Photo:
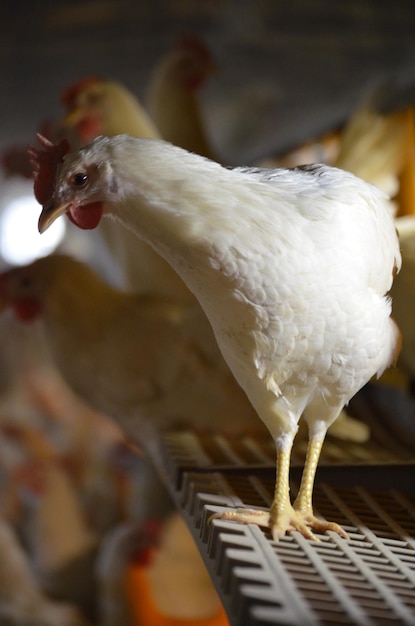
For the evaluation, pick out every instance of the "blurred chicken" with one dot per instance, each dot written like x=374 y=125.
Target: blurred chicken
x=14 y=160
x=140 y=363
x=188 y=597
x=372 y=146
x=22 y=603
x=53 y=523
x=112 y=565
x=97 y=107
x=290 y=266
x=48 y=422
x=173 y=96
x=149 y=374
x=406 y=195
x=62 y=545
x=102 y=107
x=403 y=292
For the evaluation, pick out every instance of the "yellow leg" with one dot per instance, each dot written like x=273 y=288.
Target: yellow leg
x=278 y=519
x=283 y=516
x=304 y=501
x=303 y=504
x=281 y=512
x=282 y=485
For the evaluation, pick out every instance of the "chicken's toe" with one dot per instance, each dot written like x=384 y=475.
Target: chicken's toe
x=285 y=520
x=281 y=521
x=244 y=516
x=322 y=526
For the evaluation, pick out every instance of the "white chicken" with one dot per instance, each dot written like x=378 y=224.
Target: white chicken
x=290 y=266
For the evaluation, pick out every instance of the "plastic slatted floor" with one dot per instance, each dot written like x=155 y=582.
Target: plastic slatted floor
x=367 y=580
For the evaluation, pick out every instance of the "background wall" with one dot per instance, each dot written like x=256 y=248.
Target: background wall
x=287 y=70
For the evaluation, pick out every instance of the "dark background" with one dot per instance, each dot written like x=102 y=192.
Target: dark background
x=288 y=70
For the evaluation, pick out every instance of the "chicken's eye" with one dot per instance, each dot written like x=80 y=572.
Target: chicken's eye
x=80 y=179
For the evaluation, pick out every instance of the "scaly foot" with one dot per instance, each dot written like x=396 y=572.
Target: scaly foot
x=285 y=520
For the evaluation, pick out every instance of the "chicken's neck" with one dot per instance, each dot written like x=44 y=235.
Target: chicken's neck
x=178 y=211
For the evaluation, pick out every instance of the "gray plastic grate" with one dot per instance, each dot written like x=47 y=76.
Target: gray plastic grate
x=368 y=580
x=186 y=450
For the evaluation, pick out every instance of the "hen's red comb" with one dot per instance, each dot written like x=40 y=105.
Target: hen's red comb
x=203 y=63
x=69 y=95
x=193 y=43
x=45 y=163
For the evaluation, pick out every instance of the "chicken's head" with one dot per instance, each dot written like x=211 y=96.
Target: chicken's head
x=97 y=107
x=44 y=286
x=84 y=104
x=192 y=63
x=22 y=292
x=76 y=184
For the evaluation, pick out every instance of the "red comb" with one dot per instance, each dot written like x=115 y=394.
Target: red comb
x=69 y=95
x=195 y=44
x=203 y=63
x=45 y=163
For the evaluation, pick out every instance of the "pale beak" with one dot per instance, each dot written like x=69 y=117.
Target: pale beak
x=50 y=213
x=73 y=117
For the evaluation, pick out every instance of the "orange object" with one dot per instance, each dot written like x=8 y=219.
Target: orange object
x=406 y=195
x=146 y=613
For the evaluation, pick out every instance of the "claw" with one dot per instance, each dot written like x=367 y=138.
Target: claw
x=322 y=527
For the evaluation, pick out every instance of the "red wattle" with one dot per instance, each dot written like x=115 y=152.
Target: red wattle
x=27 y=309
x=89 y=127
x=87 y=216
